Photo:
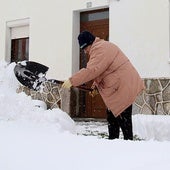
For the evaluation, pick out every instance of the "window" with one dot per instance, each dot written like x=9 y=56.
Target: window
x=19 y=49
x=17 y=40
x=94 y=15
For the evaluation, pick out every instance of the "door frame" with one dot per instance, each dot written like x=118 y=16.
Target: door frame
x=74 y=106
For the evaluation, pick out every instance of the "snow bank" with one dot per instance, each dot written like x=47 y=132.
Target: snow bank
x=20 y=107
x=156 y=127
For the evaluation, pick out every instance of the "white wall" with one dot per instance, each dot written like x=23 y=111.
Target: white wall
x=139 y=27
x=50 y=32
x=51 y=38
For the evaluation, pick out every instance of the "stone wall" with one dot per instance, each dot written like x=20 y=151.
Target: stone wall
x=155 y=99
x=50 y=93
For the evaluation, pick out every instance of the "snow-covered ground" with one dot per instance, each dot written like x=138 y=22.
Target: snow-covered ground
x=33 y=138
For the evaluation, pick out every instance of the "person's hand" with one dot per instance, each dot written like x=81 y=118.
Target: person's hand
x=67 y=84
x=93 y=93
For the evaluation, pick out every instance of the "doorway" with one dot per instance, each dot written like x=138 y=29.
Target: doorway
x=96 y=22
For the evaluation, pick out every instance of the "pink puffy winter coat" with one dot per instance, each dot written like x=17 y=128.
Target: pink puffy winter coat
x=117 y=80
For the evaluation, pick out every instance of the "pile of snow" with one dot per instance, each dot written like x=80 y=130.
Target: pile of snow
x=20 y=107
x=155 y=127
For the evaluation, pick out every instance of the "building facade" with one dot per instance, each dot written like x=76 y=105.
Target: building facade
x=46 y=32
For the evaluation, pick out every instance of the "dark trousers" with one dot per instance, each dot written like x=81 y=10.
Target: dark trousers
x=123 y=121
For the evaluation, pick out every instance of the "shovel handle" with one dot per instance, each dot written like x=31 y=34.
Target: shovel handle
x=84 y=88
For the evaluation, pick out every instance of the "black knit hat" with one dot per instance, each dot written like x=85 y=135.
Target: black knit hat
x=85 y=38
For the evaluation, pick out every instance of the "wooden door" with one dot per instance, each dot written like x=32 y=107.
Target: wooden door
x=93 y=107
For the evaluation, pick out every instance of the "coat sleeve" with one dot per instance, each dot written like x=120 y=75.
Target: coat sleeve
x=97 y=64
